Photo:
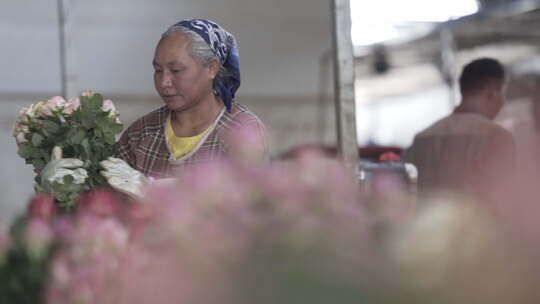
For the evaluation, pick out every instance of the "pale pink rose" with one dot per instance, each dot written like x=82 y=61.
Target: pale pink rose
x=88 y=93
x=20 y=138
x=108 y=106
x=57 y=102
x=31 y=110
x=23 y=116
x=20 y=128
x=72 y=105
x=42 y=109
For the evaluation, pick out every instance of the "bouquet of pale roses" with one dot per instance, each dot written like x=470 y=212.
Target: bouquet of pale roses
x=84 y=128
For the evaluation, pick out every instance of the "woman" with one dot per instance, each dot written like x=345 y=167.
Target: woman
x=196 y=74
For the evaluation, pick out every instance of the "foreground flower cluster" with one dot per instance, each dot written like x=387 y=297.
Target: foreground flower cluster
x=296 y=231
x=84 y=127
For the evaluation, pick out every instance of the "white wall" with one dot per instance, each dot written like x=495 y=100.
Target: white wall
x=280 y=43
x=29 y=60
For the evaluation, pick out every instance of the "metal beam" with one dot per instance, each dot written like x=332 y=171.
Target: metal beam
x=68 y=74
x=500 y=9
x=448 y=63
x=347 y=142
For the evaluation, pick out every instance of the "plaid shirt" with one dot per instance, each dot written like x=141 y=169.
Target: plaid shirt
x=144 y=146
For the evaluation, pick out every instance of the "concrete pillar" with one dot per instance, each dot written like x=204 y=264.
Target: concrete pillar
x=344 y=83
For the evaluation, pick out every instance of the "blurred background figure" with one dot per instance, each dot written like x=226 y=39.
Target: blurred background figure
x=467 y=152
x=381 y=62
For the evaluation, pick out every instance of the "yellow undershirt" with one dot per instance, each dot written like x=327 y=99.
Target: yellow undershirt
x=180 y=146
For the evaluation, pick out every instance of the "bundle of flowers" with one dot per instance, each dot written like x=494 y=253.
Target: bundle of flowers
x=83 y=128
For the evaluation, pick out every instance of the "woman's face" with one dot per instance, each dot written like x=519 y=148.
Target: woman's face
x=181 y=80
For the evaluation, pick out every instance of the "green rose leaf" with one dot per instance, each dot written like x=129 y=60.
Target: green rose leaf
x=86 y=146
x=37 y=139
x=116 y=128
x=26 y=151
x=50 y=126
x=96 y=101
x=77 y=137
x=39 y=164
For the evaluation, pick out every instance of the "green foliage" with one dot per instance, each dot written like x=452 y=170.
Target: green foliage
x=66 y=194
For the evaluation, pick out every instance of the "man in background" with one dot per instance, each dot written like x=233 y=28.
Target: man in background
x=466 y=152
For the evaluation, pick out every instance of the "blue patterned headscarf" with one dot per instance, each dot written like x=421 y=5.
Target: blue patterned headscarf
x=224 y=47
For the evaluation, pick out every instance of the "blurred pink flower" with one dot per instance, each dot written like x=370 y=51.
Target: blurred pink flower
x=96 y=236
x=42 y=206
x=64 y=228
x=84 y=269
x=38 y=238
x=60 y=270
x=78 y=283
x=139 y=215
x=100 y=202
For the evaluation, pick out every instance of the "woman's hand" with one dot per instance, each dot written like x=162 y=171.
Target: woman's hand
x=58 y=167
x=122 y=177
